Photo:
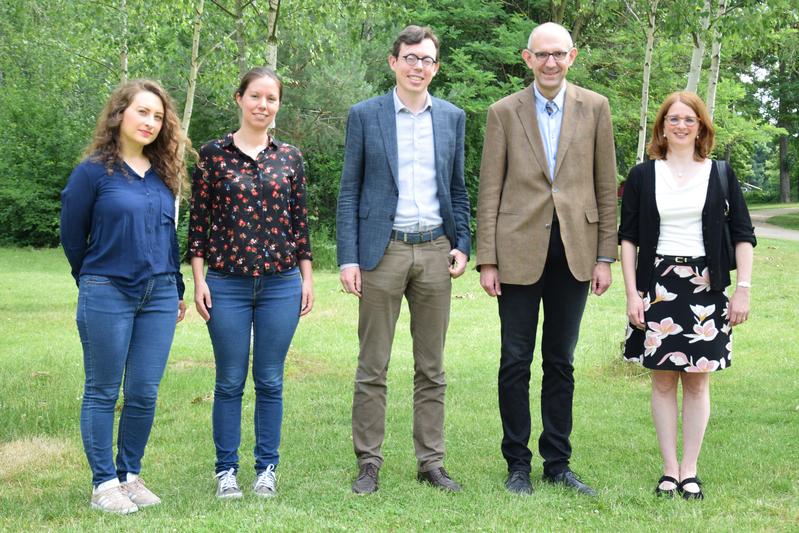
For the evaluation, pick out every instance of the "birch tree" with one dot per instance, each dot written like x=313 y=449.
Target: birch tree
x=698 y=52
x=652 y=6
x=715 y=60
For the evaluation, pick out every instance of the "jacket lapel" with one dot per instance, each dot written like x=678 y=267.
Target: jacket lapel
x=439 y=129
x=525 y=109
x=387 y=119
x=571 y=110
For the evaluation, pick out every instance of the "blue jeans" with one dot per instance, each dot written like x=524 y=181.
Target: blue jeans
x=125 y=342
x=267 y=307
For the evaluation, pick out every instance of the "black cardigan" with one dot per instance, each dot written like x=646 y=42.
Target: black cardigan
x=640 y=223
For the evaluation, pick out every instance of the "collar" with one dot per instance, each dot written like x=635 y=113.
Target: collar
x=227 y=141
x=399 y=106
x=541 y=100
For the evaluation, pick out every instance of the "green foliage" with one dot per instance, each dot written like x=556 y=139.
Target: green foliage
x=333 y=54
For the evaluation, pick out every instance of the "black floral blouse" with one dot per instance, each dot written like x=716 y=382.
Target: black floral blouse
x=249 y=217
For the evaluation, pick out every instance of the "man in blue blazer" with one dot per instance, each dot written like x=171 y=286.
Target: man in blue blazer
x=403 y=229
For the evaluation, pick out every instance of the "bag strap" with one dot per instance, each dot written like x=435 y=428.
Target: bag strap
x=724 y=179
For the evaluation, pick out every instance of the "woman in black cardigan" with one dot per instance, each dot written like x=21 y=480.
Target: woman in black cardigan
x=676 y=269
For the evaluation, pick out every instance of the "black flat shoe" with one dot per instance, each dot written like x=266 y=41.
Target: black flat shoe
x=670 y=493
x=687 y=495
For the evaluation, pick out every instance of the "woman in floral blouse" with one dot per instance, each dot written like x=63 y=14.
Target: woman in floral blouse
x=249 y=222
x=676 y=268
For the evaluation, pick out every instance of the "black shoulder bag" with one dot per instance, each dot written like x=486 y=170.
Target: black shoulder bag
x=725 y=191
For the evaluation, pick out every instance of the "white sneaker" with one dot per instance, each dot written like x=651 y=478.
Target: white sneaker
x=110 y=498
x=264 y=485
x=138 y=493
x=226 y=485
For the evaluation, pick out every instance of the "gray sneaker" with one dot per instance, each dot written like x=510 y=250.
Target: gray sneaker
x=113 y=500
x=227 y=488
x=264 y=485
x=139 y=494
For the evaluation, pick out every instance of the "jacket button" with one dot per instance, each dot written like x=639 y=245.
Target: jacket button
x=391 y=217
x=547 y=226
x=555 y=189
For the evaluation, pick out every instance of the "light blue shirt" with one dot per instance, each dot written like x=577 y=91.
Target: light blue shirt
x=549 y=125
x=418 y=208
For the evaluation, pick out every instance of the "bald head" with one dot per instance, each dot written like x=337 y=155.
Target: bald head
x=550 y=29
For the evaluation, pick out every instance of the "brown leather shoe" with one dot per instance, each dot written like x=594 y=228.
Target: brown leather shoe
x=439 y=478
x=366 y=482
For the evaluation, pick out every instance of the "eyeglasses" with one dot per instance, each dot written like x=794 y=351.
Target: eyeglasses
x=412 y=59
x=674 y=120
x=543 y=57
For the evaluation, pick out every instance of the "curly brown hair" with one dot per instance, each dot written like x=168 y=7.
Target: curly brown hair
x=166 y=152
x=659 y=146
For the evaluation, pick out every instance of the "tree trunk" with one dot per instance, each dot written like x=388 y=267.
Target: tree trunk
x=715 y=61
x=699 y=49
x=271 y=40
x=191 y=86
x=556 y=11
x=650 y=44
x=782 y=110
x=123 y=47
x=240 y=46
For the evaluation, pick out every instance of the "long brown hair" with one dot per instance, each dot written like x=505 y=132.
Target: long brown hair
x=164 y=152
x=658 y=146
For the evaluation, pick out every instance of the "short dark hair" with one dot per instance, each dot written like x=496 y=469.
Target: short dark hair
x=413 y=35
x=659 y=146
x=257 y=73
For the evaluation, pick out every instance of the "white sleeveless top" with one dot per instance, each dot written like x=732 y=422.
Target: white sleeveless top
x=680 y=209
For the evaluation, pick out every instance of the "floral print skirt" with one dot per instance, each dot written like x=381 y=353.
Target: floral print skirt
x=687 y=324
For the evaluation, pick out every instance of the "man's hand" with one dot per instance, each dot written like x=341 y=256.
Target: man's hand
x=351 y=280
x=601 y=278
x=457 y=263
x=489 y=280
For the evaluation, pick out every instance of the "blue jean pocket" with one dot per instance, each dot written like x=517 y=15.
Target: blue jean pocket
x=92 y=279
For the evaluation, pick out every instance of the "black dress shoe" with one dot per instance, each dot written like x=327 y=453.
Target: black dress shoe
x=569 y=479
x=366 y=482
x=518 y=482
x=688 y=495
x=439 y=478
x=670 y=493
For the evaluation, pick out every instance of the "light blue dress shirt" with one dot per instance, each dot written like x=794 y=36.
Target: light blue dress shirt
x=418 y=208
x=549 y=125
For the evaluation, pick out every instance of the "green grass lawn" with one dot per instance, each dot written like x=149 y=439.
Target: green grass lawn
x=790 y=221
x=750 y=460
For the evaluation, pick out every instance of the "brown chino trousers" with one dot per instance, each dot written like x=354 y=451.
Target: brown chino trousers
x=419 y=272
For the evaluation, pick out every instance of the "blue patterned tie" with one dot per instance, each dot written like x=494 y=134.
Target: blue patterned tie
x=551 y=107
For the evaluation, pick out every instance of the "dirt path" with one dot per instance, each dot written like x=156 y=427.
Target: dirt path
x=770 y=231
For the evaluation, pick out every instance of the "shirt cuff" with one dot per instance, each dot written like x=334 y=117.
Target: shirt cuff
x=603 y=259
x=347 y=265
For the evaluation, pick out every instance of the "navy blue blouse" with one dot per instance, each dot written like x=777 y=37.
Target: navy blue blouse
x=121 y=226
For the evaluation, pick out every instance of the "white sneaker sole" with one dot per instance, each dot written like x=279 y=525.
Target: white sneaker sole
x=234 y=496
x=121 y=511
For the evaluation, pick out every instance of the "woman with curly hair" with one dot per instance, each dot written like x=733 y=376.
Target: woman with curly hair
x=118 y=233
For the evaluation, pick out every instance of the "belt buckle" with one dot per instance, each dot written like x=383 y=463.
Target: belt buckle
x=404 y=237
x=680 y=259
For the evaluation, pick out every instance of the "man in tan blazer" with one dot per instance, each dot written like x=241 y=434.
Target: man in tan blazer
x=546 y=232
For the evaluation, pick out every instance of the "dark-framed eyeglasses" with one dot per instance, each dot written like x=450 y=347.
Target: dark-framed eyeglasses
x=543 y=57
x=413 y=59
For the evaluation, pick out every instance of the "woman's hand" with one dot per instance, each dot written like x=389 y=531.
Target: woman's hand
x=202 y=298
x=181 y=310
x=739 y=306
x=307 y=286
x=307 y=297
x=635 y=310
